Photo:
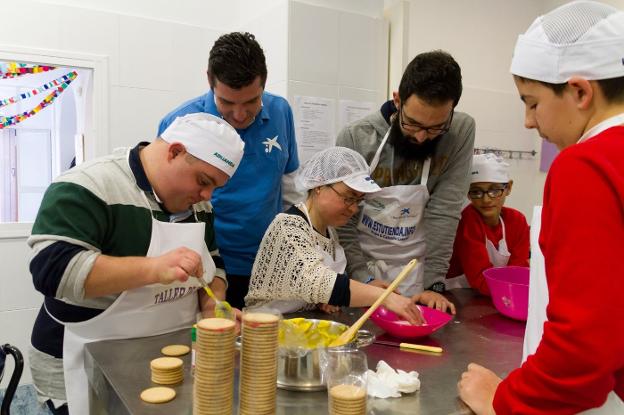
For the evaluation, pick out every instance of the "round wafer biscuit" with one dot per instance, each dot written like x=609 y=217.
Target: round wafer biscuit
x=175 y=350
x=216 y=324
x=159 y=394
x=166 y=363
x=347 y=392
x=260 y=318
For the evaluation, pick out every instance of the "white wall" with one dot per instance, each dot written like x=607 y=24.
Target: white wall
x=551 y=4
x=268 y=21
x=337 y=53
x=396 y=13
x=481 y=34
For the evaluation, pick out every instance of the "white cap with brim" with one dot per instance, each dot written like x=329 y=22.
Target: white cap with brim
x=582 y=38
x=489 y=168
x=208 y=138
x=362 y=183
x=333 y=165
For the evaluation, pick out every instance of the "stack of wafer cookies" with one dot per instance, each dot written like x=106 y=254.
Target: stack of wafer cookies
x=213 y=387
x=258 y=365
x=167 y=370
x=347 y=400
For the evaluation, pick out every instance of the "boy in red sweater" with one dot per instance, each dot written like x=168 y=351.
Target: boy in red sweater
x=489 y=234
x=569 y=70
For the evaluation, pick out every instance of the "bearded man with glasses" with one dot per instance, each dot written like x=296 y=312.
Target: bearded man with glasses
x=420 y=151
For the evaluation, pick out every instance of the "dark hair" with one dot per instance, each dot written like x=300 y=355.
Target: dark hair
x=612 y=89
x=236 y=59
x=434 y=77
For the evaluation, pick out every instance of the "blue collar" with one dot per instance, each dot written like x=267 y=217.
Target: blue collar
x=137 y=168
x=387 y=109
x=141 y=180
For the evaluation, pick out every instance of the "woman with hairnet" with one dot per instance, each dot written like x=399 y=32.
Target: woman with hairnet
x=300 y=263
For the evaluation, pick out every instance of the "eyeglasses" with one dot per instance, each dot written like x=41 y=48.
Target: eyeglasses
x=348 y=200
x=432 y=131
x=494 y=193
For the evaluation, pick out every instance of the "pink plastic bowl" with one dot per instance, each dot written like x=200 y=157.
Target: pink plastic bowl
x=397 y=327
x=509 y=287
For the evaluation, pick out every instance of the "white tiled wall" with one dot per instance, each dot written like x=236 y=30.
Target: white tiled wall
x=16 y=328
x=76 y=34
x=19 y=303
x=135 y=113
x=314 y=58
x=336 y=52
x=481 y=34
x=269 y=24
x=551 y=4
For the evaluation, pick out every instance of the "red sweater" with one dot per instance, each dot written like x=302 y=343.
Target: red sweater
x=469 y=254
x=580 y=358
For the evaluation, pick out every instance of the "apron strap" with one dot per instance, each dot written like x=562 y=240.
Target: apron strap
x=302 y=207
x=375 y=160
x=425 y=171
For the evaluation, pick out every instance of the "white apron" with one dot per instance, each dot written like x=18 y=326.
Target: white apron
x=498 y=258
x=391 y=229
x=145 y=311
x=337 y=263
x=538 y=288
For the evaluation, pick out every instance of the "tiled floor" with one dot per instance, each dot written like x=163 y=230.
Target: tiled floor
x=25 y=402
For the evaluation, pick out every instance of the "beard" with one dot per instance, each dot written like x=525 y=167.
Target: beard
x=407 y=147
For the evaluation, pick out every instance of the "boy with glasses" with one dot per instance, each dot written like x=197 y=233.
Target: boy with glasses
x=489 y=234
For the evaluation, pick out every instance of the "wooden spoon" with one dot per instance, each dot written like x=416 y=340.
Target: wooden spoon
x=351 y=331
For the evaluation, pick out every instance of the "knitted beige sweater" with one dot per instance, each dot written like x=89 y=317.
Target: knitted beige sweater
x=289 y=266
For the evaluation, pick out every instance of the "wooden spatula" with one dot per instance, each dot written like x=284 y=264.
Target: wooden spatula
x=351 y=331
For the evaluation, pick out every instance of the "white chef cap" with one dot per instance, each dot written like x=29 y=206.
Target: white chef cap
x=581 y=38
x=208 y=138
x=333 y=165
x=489 y=168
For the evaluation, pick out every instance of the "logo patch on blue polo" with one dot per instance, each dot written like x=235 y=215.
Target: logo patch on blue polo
x=269 y=143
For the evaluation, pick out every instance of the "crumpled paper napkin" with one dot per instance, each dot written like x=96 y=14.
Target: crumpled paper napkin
x=389 y=383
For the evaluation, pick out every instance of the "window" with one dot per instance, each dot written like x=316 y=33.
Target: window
x=75 y=124
x=44 y=109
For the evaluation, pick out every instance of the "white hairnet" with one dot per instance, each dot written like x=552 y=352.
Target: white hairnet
x=333 y=165
x=581 y=38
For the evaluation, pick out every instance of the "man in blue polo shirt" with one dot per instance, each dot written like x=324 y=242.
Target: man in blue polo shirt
x=245 y=207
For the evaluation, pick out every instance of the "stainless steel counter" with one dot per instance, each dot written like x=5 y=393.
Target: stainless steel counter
x=119 y=369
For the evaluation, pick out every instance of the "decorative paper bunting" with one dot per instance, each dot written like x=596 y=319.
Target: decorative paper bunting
x=15 y=69
x=50 y=85
x=58 y=88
